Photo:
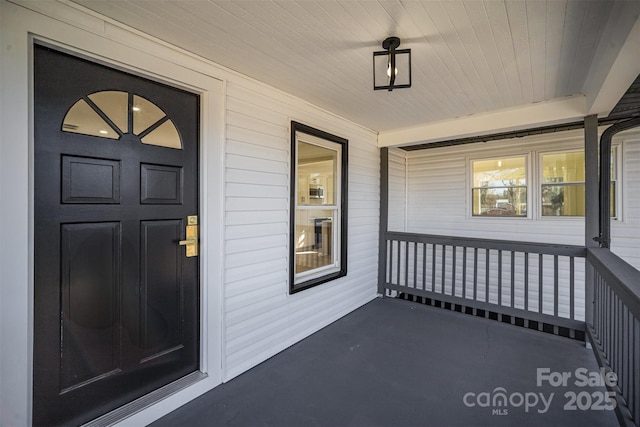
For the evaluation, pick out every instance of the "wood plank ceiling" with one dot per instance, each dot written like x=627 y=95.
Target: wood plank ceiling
x=469 y=57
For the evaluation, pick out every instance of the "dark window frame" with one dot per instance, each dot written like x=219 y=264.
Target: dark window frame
x=297 y=127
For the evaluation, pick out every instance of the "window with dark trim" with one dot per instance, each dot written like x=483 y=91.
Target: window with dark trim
x=318 y=236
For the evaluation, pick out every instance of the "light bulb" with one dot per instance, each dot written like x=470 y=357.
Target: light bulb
x=389 y=71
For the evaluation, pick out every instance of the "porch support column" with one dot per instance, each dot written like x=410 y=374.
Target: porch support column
x=592 y=205
x=384 y=218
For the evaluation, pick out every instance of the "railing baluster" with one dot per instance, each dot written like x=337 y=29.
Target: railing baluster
x=540 y=282
x=635 y=397
x=572 y=288
x=625 y=352
x=602 y=305
x=399 y=263
x=526 y=280
x=596 y=303
x=610 y=320
x=390 y=268
x=406 y=264
x=499 y=277
x=415 y=265
x=555 y=285
x=464 y=272
x=633 y=374
x=475 y=274
x=433 y=267
x=453 y=271
x=486 y=283
x=606 y=313
x=513 y=279
x=444 y=269
x=424 y=266
x=619 y=308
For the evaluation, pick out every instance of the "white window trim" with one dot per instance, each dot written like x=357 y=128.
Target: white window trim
x=615 y=148
x=539 y=183
x=469 y=186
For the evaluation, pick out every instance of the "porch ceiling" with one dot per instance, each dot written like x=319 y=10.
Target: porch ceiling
x=478 y=66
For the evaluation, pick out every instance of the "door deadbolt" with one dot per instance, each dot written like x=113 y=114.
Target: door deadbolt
x=191 y=241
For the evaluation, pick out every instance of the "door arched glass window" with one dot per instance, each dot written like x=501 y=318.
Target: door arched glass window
x=111 y=114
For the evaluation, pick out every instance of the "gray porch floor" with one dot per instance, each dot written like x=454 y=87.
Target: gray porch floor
x=399 y=363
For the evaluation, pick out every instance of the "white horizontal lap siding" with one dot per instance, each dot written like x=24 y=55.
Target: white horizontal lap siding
x=444 y=202
x=397 y=190
x=439 y=189
x=260 y=317
x=625 y=234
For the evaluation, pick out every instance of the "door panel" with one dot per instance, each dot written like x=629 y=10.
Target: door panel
x=90 y=258
x=162 y=288
x=116 y=299
x=89 y=180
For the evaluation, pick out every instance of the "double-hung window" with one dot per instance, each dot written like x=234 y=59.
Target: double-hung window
x=318 y=246
x=562 y=188
x=499 y=187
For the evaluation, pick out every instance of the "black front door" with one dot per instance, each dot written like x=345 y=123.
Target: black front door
x=115 y=183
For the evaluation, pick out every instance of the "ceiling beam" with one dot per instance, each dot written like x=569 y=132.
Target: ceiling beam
x=616 y=63
x=553 y=112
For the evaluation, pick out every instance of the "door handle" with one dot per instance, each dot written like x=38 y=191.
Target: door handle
x=191 y=241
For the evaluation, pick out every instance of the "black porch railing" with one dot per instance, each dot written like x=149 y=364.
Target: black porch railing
x=615 y=332
x=535 y=282
x=533 y=285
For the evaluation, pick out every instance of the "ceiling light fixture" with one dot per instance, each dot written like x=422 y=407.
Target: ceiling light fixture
x=392 y=66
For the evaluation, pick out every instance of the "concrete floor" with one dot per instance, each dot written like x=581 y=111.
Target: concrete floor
x=399 y=363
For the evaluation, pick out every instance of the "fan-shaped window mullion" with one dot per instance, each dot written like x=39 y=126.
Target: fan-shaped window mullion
x=111 y=114
x=104 y=117
x=153 y=127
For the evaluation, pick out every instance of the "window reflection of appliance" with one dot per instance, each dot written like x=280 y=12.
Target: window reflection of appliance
x=316 y=191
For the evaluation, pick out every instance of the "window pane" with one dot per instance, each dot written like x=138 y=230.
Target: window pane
x=563 y=167
x=165 y=135
x=316 y=175
x=614 y=163
x=612 y=200
x=81 y=118
x=500 y=201
x=145 y=114
x=115 y=105
x=507 y=172
x=563 y=200
x=314 y=239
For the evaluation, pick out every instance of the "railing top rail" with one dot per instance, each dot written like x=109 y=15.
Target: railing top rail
x=505 y=245
x=622 y=277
